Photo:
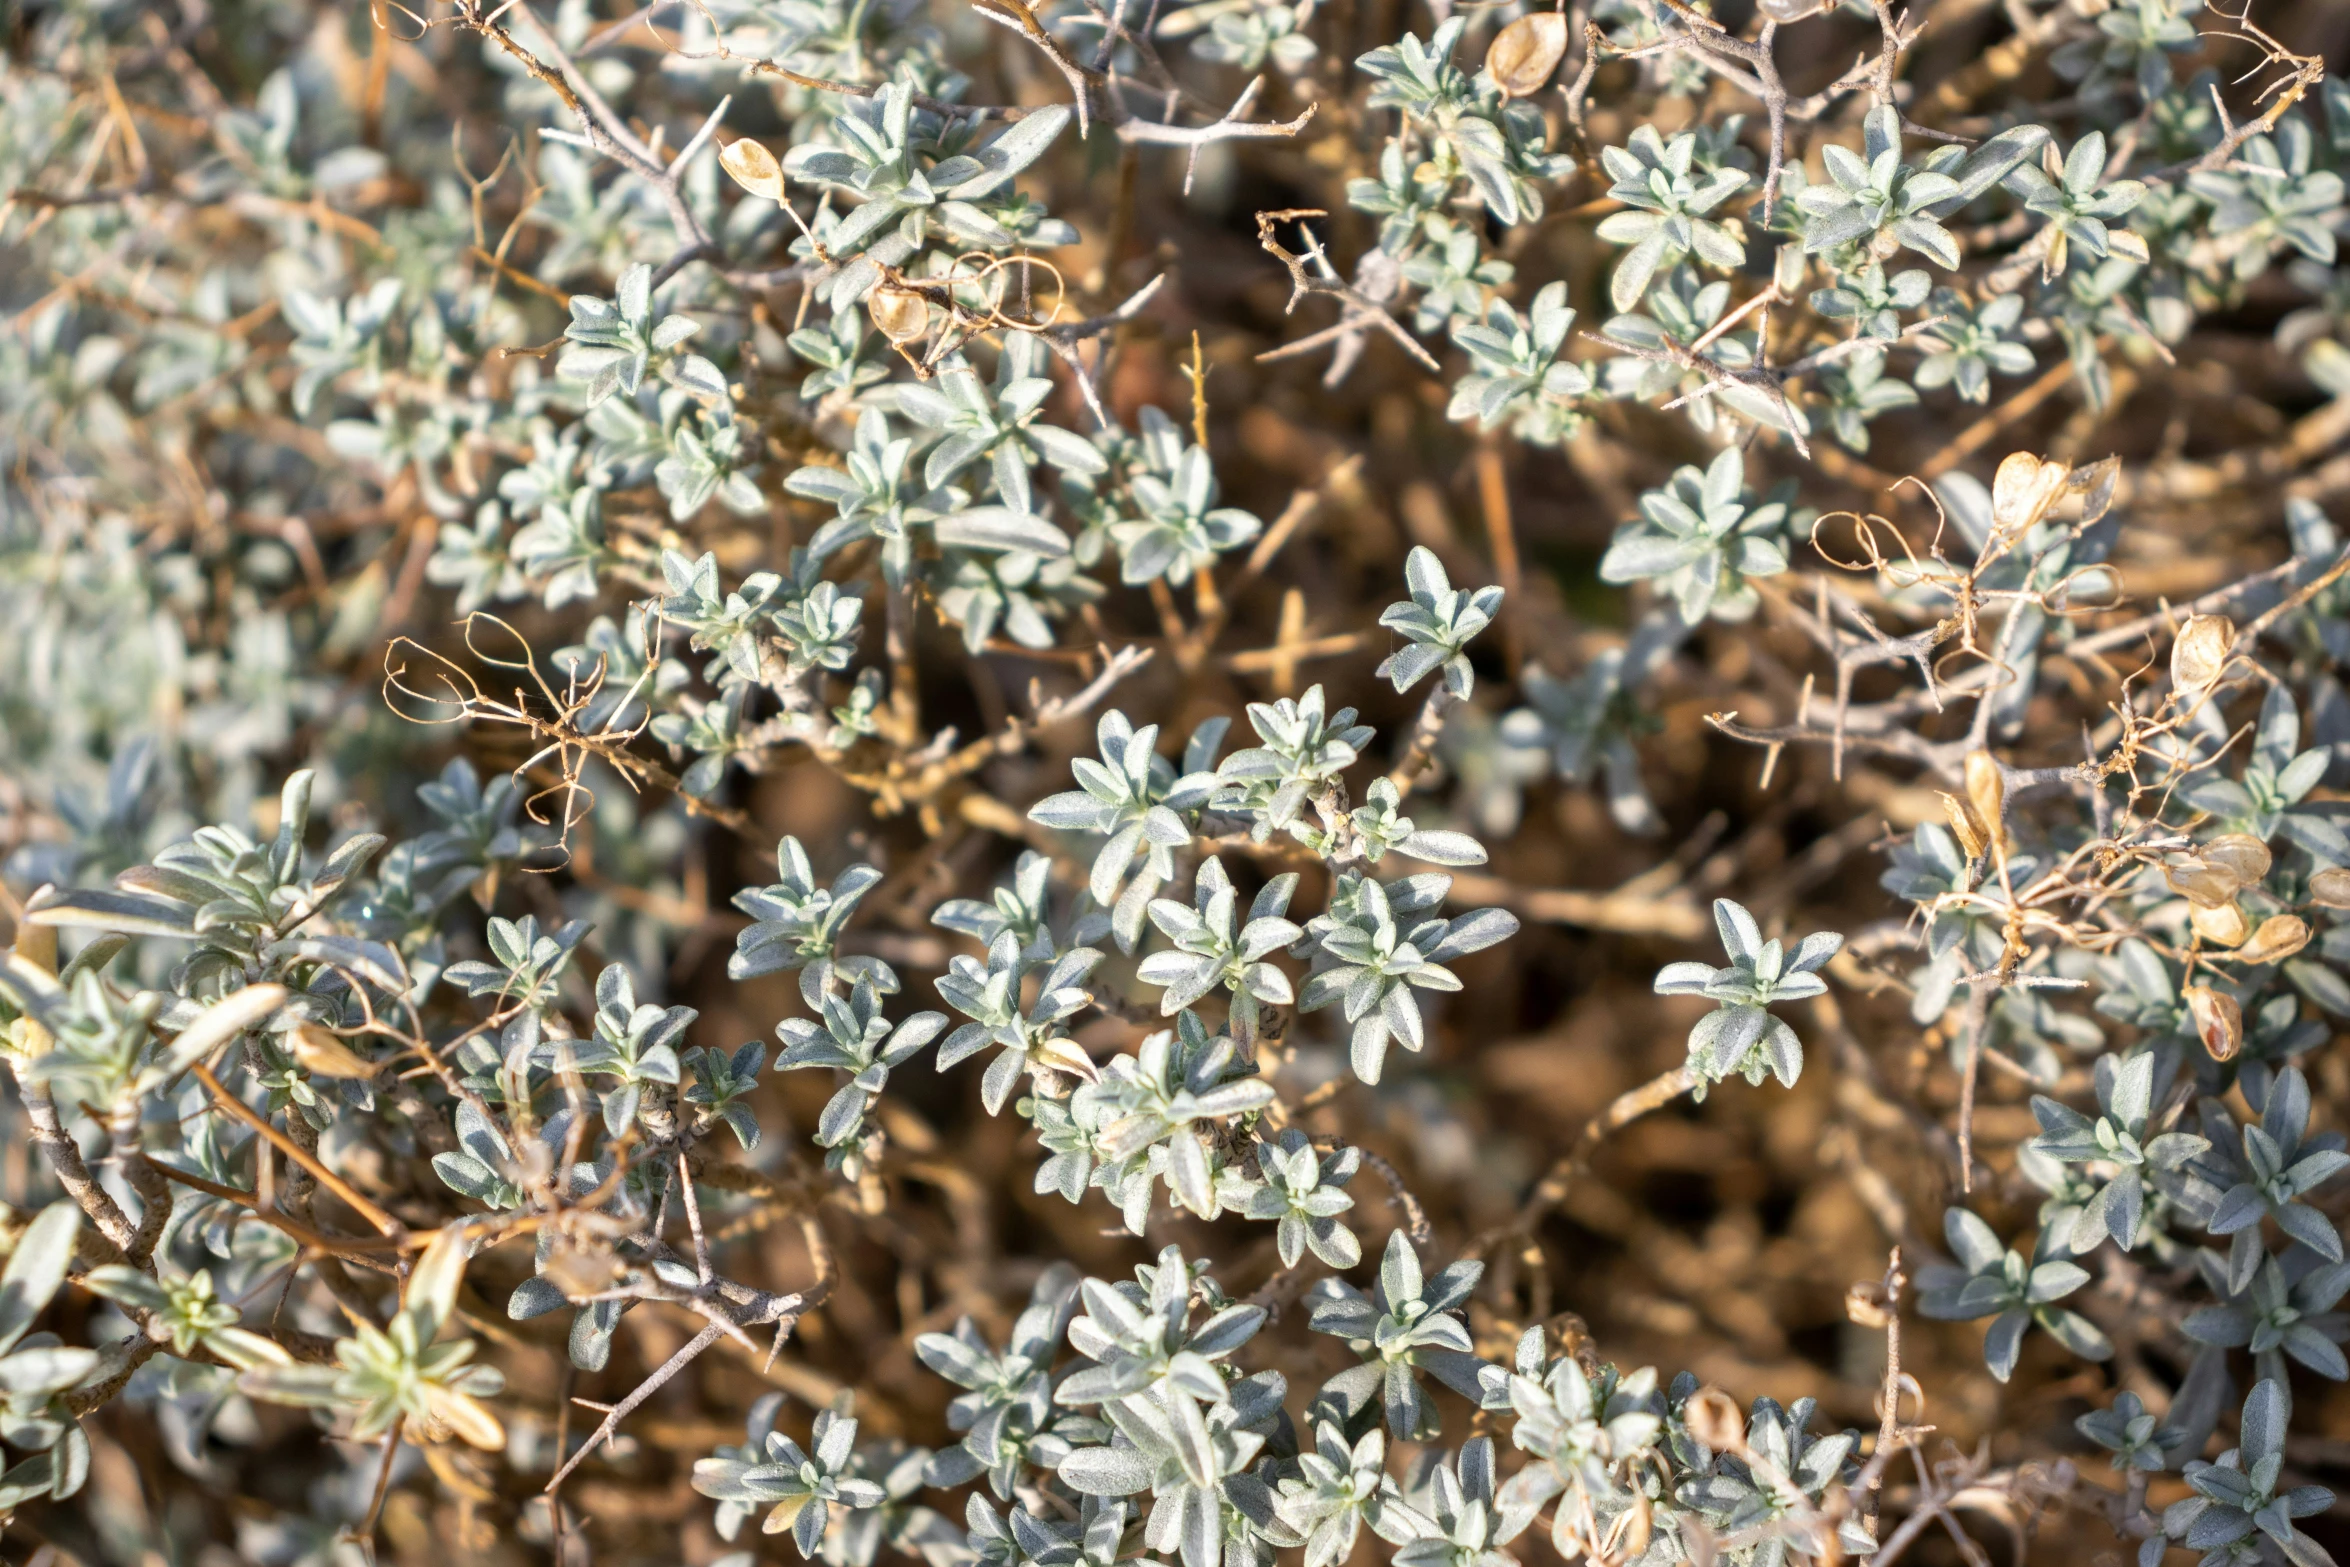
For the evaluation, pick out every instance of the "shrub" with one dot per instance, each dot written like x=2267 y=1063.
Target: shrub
x=479 y=477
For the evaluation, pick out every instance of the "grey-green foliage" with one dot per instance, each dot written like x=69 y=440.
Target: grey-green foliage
x=36 y=1370
x=1681 y=308
x=1585 y=1432
x=1214 y=946
x=402 y=1374
x=236 y=900
x=996 y=422
x=1029 y=1033
x=2131 y=44
x=1303 y=1191
x=1381 y=943
x=814 y=620
x=1163 y=1115
x=1495 y=144
x=1518 y=373
x=2136 y=1438
x=796 y=924
x=1407 y=1325
x=615 y=341
x=1146 y=809
x=1448 y=1514
x=1454 y=275
x=2080 y=204
x=2240 y=1509
x=1877 y=201
x=1437 y=623
x=802 y=1486
x=159 y=682
x=1972 y=345
x=2264 y=797
x=1740 y=1036
x=1302 y=748
x=1993 y=1281
x=1703 y=538
x=1176 y=529
x=1586 y=727
x=1783 y=1470
x=2274 y=196
x=1859 y=390
x=2287 y=1311
x=1007 y=1409
x=1873 y=301
x=1342 y=1487
x=851 y=1036
x=2282 y=1162
x=1669 y=199
x=1380 y=828
x=918 y=179
x=2119 y=1138
x=635 y=1043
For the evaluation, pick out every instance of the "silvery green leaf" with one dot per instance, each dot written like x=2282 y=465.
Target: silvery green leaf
x=1985 y=165
x=1001 y=528
x=36 y=1268
x=1018 y=146
x=129 y=913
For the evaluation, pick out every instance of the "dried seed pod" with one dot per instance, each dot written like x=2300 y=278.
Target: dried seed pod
x=898 y=314
x=2240 y=855
x=1968 y=828
x=1524 y=54
x=2202 y=885
x=1864 y=1304
x=2221 y=924
x=1713 y=1417
x=321 y=1054
x=578 y=1268
x=753 y=167
x=1065 y=1054
x=2330 y=888
x=1787 y=268
x=1573 y=1337
x=1986 y=791
x=2278 y=938
x=534 y=1162
x=2022 y=491
x=1634 y=1529
x=2219 y=1021
x=2200 y=653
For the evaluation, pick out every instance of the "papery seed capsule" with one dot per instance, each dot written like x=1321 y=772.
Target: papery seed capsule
x=1967 y=827
x=2022 y=491
x=2200 y=652
x=1524 y=54
x=2202 y=885
x=1986 y=791
x=1787 y=268
x=2240 y=855
x=321 y=1054
x=2330 y=888
x=578 y=1269
x=2278 y=938
x=898 y=314
x=1634 y=1532
x=1864 y=1304
x=753 y=167
x=2221 y=924
x=2219 y=1021
x=1714 y=1419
